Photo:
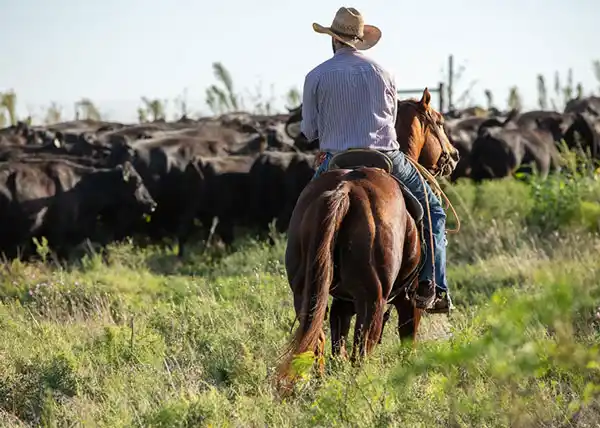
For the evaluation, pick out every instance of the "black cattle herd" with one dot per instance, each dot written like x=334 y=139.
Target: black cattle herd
x=80 y=181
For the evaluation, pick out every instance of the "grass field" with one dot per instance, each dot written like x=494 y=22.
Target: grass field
x=145 y=340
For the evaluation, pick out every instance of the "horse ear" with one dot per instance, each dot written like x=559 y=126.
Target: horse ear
x=425 y=99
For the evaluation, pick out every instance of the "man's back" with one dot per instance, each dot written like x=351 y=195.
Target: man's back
x=350 y=102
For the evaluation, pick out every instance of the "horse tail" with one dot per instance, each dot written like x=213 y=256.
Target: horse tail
x=330 y=208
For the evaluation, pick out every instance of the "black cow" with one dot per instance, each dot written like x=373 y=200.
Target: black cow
x=227 y=194
x=298 y=174
x=24 y=134
x=463 y=132
x=268 y=175
x=292 y=129
x=175 y=182
x=532 y=119
x=589 y=105
x=62 y=201
x=498 y=152
x=584 y=134
x=168 y=164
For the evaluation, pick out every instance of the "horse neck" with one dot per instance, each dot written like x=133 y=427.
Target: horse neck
x=416 y=143
x=430 y=153
x=414 y=146
x=411 y=141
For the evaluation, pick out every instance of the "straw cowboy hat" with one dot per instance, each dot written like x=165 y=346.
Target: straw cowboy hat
x=348 y=27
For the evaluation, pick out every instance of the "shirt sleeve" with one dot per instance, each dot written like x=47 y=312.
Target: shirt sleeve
x=308 y=126
x=394 y=96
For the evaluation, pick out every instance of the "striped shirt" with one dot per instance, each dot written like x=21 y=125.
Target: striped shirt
x=350 y=101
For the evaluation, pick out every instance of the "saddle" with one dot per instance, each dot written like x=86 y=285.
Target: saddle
x=370 y=158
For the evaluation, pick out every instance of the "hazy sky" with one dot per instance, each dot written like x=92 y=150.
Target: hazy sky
x=115 y=51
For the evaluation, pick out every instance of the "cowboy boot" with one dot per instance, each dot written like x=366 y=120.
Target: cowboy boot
x=442 y=304
x=424 y=294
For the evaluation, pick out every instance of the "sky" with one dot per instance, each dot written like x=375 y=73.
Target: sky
x=116 y=51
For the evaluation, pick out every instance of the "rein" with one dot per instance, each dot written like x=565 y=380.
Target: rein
x=431 y=178
x=425 y=174
x=443 y=159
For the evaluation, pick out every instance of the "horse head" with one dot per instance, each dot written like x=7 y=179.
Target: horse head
x=422 y=137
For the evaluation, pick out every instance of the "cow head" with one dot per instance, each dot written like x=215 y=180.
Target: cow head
x=582 y=135
x=557 y=126
x=120 y=152
x=135 y=192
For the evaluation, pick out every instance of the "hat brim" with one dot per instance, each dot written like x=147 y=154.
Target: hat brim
x=371 y=36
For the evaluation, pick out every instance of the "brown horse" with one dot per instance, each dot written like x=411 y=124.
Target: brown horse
x=353 y=235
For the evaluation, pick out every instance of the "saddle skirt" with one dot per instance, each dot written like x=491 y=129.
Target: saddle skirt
x=358 y=158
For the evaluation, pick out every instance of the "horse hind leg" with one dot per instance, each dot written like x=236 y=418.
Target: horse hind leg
x=339 y=323
x=361 y=280
x=369 y=322
x=409 y=318
x=367 y=273
x=386 y=317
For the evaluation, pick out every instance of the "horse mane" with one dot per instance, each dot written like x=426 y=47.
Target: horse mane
x=408 y=101
x=416 y=104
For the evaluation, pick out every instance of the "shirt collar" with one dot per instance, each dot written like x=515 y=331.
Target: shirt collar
x=345 y=50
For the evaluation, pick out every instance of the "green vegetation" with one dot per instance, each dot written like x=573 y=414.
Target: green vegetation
x=141 y=339
x=85 y=109
x=53 y=114
x=8 y=108
x=562 y=94
x=154 y=108
x=221 y=100
x=514 y=99
x=222 y=97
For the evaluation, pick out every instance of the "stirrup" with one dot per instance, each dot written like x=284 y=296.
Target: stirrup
x=423 y=302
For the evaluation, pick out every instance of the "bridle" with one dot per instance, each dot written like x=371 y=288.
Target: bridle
x=442 y=167
x=429 y=123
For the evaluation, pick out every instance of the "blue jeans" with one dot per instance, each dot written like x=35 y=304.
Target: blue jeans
x=407 y=173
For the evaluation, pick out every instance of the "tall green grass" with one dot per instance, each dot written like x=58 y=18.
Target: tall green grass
x=143 y=339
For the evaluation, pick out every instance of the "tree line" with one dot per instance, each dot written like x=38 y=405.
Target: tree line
x=222 y=97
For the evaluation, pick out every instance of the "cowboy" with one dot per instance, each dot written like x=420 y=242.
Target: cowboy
x=350 y=101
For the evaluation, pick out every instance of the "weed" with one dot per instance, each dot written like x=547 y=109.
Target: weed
x=141 y=339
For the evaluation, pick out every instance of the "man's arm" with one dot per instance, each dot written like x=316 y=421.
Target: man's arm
x=394 y=96
x=309 y=124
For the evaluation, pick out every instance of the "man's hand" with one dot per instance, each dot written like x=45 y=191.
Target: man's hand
x=319 y=159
